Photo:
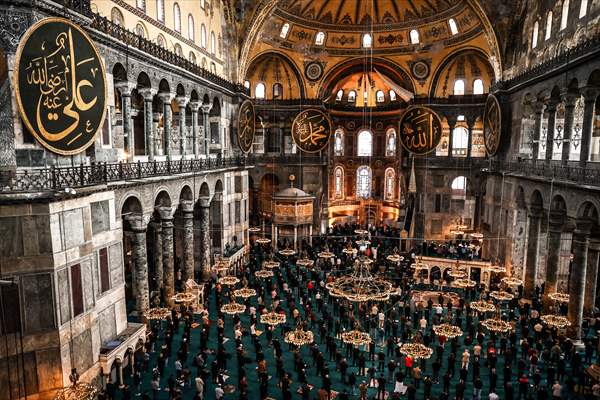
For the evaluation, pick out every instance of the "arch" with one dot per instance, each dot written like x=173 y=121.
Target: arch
x=218 y=186
x=548 y=33
x=391 y=142
x=264 y=66
x=460 y=141
x=162 y=199
x=363 y=182
x=161 y=41
x=191 y=30
x=339 y=95
x=320 y=38
x=478 y=87
x=588 y=211
x=192 y=57
x=176 y=18
x=277 y=90
x=459 y=87
x=160 y=10
x=116 y=16
x=194 y=95
x=459 y=186
x=141 y=31
x=367 y=41
x=536 y=200
x=365 y=143
x=204 y=190
x=564 y=15
x=215 y=110
x=131 y=205
x=186 y=193
x=453 y=26
x=338 y=182
x=351 y=96
x=180 y=90
x=143 y=81
x=414 y=36
x=534 y=35
x=285 y=29
x=558 y=204
x=390 y=184
x=163 y=86
x=213 y=43
x=119 y=73
x=520 y=198
x=203 y=38
x=380 y=96
x=338 y=142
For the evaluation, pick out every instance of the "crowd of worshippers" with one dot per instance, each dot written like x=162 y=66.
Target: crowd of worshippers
x=530 y=362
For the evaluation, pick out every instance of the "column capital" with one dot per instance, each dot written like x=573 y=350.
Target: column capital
x=125 y=87
x=187 y=207
x=136 y=223
x=535 y=212
x=195 y=105
x=165 y=97
x=204 y=202
x=539 y=107
x=166 y=213
x=569 y=98
x=556 y=219
x=156 y=116
x=147 y=93
x=181 y=101
x=590 y=94
x=594 y=244
x=583 y=227
x=551 y=105
x=206 y=108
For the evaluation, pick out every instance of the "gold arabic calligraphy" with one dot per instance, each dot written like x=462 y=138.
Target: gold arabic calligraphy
x=420 y=130
x=311 y=130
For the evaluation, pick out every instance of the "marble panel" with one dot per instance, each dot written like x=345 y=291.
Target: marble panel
x=100 y=216
x=107 y=324
x=38 y=306
x=115 y=259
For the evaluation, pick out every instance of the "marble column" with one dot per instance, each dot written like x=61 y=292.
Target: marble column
x=535 y=218
x=158 y=255
x=156 y=142
x=206 y=124
x=125 y=90
x=140 y=263
x=569 y=99
x=166 y=217
x=590 y=96
x=591 y=277
x=120 y=380
x=581 y=237
x=187 y=213
x=470 y=140
x=451 y=125
x=148 y=95
x=195 y=106
x=205 y=238
x=167 y=116
x=553 y=257
x=535 y=145
x=182 y=103
x=551 y=110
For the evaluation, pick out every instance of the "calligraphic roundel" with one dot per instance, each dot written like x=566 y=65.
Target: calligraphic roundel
x=420 y=130
x=311 y=130
x=246 y=126
x=60 y=85
x=492 y=125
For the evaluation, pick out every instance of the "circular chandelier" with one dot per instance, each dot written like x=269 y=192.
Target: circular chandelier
x=287 y=252
x=447 y=330
x=263 y=274
x=244 y=293
x=263 y=240
x=501 y=295
x=498 y=269
x=510 y=281
x=356 y=337
x=477 y=235
x=326 y=254
x=395 y=258
x=457 y=232
x=361 y=285
x=457 y=273
x=416 y=350
x=305 y=262
x=419 y=265
x=254 y=229
x=228 y=280
x=465 y=283
x=272 y=318
x=363 y=243
x=157 y=313
x=555 y=321
x=559 y=297
x=221 y=266
x=184 y=297
x=350 y=251
x=233 y=308
x=496 y=325
x=77 y=390
x=483 y=306
x=270 y=264
x=361 y=232
x=299 y=337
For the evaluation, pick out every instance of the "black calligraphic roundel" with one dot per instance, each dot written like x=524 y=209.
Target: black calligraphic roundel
x=311 y=130
x=60 y=85
x=420 y=130
x=246 y=126
x=492 y=125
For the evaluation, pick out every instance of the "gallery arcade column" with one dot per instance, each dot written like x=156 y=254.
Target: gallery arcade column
x=569 y=99
x=182 y=103
x=206 y=127
x=535 y=141
x=158 y=254
x=555 y=226
x=157 y=142
x=187 y=212
x=148 y=95
x=205 y=238
x=581 y=237
x=166 y=218
x=140 y=278
x=451 y=125
x=590 y=96
x=165 y=98
x=591 y=277
x=535 y=218
x=551 y=110
x=125 y=90
x=195 y=106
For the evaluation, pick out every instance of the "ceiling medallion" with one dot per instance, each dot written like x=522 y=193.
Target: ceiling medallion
x=420 y=130
x=351 y=125
x=492 y=125
x=313 y=71
x=311 y=130
x=420 y=70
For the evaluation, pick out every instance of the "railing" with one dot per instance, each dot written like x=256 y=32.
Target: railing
x=287 y=159
x=553 y=170
x=60 y=178
x=129 y=38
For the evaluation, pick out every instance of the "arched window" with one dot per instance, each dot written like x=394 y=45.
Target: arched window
x=414 y=36
x=141 y=4
x=365 y=143
x=160 y=40
x=390 y=143
x=339 y=182
x=564 y=17
x=351 y=96
x=140 y=30
x=202 y=4
x=338 y=143
x=177 y=17
x=213 y=43
x=380 y=96
x=259 y=91
x=178 y=50
x=204 y=63
x=247 y=84
x=548 y=34
x=284 y=30
x=320 y=39
x=367 y=41
x=277 y=90
x=583 y=8
x=191 y=33
x=363 y=182
x=460 y=141
x=116 y=16
x=534 y=37
x=339 y=95
x=160 y=10
x=459 y=186
x=203 y=36
x=213 y=67
x=453 y=26
x=192 y=57
x=478 y=86
x=390 y=183
x=392 y=95
x=459 y=87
